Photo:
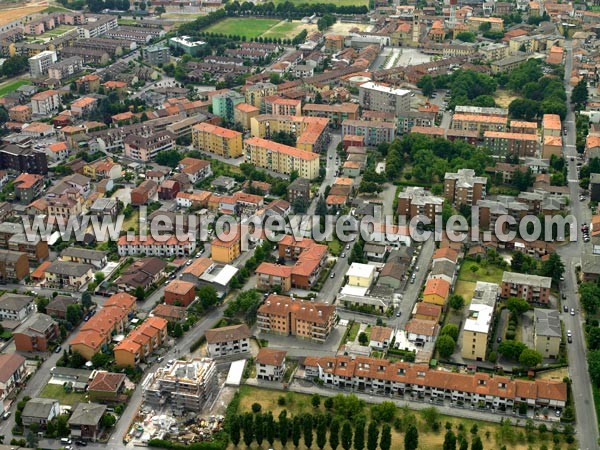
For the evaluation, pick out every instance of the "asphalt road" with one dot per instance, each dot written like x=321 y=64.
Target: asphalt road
x=587 y=425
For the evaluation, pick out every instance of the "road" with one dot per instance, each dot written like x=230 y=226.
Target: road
x=587 y=425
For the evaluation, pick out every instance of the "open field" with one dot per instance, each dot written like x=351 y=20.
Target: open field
x=345 y=27
x=11 y=86
x=249 y=27
x=490 y=433
x=471 y=271
x=503 y=98
x=8 y=15
x=58 y=31
x=335 y=2
x=57 y=392
x=286 y=29
x=465 y=288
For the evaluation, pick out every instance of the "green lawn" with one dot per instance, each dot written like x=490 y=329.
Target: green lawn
x=354 y=328
x=57 y=392
x=246 y=26
x=11 y=86
x=471 y=271
x=284 y=30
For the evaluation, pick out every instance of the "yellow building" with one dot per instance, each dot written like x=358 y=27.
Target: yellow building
x=312 y=133
x=436 y=291
x=243 y=113
x=256 y=92
x=361 y=275
x=477 y=326
x=281 y=158
x=225 y=251
x=217 y=140
x=496 y=23
x=141 y=342
x=547 y=332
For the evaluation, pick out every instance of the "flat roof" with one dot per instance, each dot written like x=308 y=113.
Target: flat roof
x=360 y=270
x=236 y=370
x=382 y=88
x=479 y=319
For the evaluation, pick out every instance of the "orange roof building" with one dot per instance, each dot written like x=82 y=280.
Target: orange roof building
x=436 y=291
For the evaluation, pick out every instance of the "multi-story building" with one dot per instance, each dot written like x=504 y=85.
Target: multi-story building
x=141 y=342
x=492 y=210
x=533 y=288
x=65 y=68
x=13 y=373
x=45 y=103
x=508 y=64
x=551 y=125
x=281 y=158
x=409 y=380
x=62 y=274
x=373 y=132
x=146 y=148
x=279 y=106
x=40 y=63
x=14 y=266
x=270 y=364
x=97 y=26
x=379 y=97
x=224 y=104
x=149 y=247
x=464 y=188
x=85 y=421
x=478 y=122
x=180 y=293
x=230 y=340
x=292 y=317
x=96 y=258
x=184 y=385
x=156 y=54
x=523 y=127
x=256 y=92
x=243 y=114
x=416 y=201
x=20 y=113
x=13 y=237
x=186 y=44
x=477 y=326
x=35 y=333
x=217 y=140
x=502 y=143
x=16 y=307
x=335 y=113
x=143 y=193
x=28 y=186
x=547 y=332
x=312 y=133
x=299 y=189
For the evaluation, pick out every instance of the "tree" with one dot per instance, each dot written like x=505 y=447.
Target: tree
x=466 y=36
x=348 y=406
x=307 y=430
x=300 y=205
x=99 y=277
x=357 y=253
x=269 y=425
x=334 y=433
x=383 y=412
x=234 y=430
x=177 y=330
x=284 y=427
x=579 y=95
x=411 y=438
x=431 y=416
x=530 y=357
x=511 y=349
x=315 y=400
x=74 y=314
x=385 y=441
x=100 y=360
x=86 y=300
x=248 y=429
x=449 y=441
x=517 y=305
x=208 y=296
x=359 y=433
x=321 y=433
x=476 y=443
x=139 y=294
x=296 y=431
x=346 y=436
x=450 y=330
x=456 y=302
x=321 y=208
x=108 y=420
x=445 y=345
x=372 y=436
x=363 y=339
x=259 y=428
x=553 y=267
x=426 y=85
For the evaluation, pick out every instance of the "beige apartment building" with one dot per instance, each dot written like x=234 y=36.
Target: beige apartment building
x=281 y=158
x=477 y=326
x=464 y=188
x=217 y=140
x=547 y=332
x=502 y=143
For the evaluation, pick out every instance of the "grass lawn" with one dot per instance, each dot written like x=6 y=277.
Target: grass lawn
x=471 y=271
x=285 y=29
x=11 y=86
x=57 y=392
x=335 y=247
x=246 y=26
x=354 y=328
x=503 y=98
x=465 y=288
x=428 y=440
x=132 y=221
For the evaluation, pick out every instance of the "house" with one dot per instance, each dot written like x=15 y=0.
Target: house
x=444 y=270
x=143 y=193
x=16 y=307
x=106 y=386
x=375 y=252
x=421 y=331
x=392 y=274
x=381 y=337
x=533 y=288
x=40 y=411
x=171 y=313
x=35 y=333
x=63 y=274
x=361 y=274
x=141 y=273
x=96 y=258
x=57 y=308
x=168 y=189
x=85 y=421
x=141 y=342
x=436 y=291
x=427 y=311
x=12 y=373
x=547 y=332
x=180 y=293
x=270 y=364
x=104 y=207
x=14 y=266
x=195 y=169
x=230 y=340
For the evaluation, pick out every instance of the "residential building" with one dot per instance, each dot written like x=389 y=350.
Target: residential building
x=551 y=125
x=141 y=342
x=478 y=324
x=279 y=106
x=533 y=288
x=12 y=373
x=147 y=246
x=143 y=193
x=14 y=266
x=552 y=145
x=217 y=140
x=57 y=308
x=96 y=258
x=63 y=274
x=508 y=64
x=281 y=158
x=184 y=386
x=195 y=169
x=436 y=291
x=291 y=317
x=415 y=201
x=186 y=44
x=502 y=143
x=146 y=148
x=312 y=133
x=427 y=311
x=156 y=54
x=477 y=122
x=223 y=105
x=420 y=331
x=230 y=340
x=381 y=337
x=40 y=63
x=256 y=92
x=547 y=332
x=104 y=207
x=86 y=421
x=299 y=189
x=243 y=114
x=23 y=160
x=361 y=274
x=225 y=251
x=40 y=411
x=270 y=364
x=400 y=378
x=106 y=386
x=35 y=333
x=66 y=68
x=96 y=26
x=45 y=103
x=379 y=97
x=335 y=113
x=373 y=132
x=16 y=307
x=464 y=188
x=171 y=313
x=20 y=113
x=180 y=293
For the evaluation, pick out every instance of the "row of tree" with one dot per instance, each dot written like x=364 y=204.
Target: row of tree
x=291 y=10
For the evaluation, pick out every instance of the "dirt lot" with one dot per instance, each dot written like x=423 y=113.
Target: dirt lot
x=503 y=98
x=344 y=28
x=8 y=15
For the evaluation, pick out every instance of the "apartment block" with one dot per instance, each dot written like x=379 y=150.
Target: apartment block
x=502 y=143
x=141 y=342
x=373 y=132
x=35 y=333
x=312 y=133
x=279 y=106
x=97 y=26
x=40 y=63
x=492 y=210
x=230 y=340
x=61 y=274
x=547 y=332
x=416 y=201
x=14 y=266
x=335 y=113
x=292 y=317
x=464 y=188
x=477 y=325
x=156 y=54
x=16 y=307
x=146 y=148
x=243 y=114
x=224 y=104
x=478 y=123
x=551 y=125
x=13 y=237
x=270 y=364
x=281 y=158
x=379 y=97
x=217 y=140
x=533 y=288
x=256 y=92
x=147 y=246
x=45 y=103
x=523 y=127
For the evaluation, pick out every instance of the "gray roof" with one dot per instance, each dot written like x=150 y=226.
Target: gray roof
x=590 y=263
x=12 y=228
x=85 y=253
x=485 y=294
x=547 y=322
x=68 y=268
x=299 y=184
x=595 y=178
x=87 y=414
x=75 y=375
x=9 y=256
x=14 y=302
x=443 y=267
x=103 y=204
x=35 y=325
x=523 y=278
x=373 y=247
x=39 y=407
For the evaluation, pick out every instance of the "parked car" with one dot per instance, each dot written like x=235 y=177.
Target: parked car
x=57 y=349
x=81 y=443
x=569 y=334
x=572 y=311
x=565 y=308
x=343 y=255
x=6 y=415
x=332 y=275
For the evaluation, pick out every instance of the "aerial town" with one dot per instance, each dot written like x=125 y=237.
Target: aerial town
x=371 y=223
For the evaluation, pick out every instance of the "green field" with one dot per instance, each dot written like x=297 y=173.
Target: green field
x=60 y=30
x=11 y=86
x=285 y=29
x=249 y=27
x=57 y=391
x=471 y=271
x=335 y=2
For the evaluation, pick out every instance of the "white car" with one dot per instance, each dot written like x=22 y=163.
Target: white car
x=569 y=334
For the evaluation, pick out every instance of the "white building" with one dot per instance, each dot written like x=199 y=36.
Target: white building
x=169 y=246
x=270 y=364
x=226 y=341
x=45 y=103
x=16 y=307
x=40 y=63
x=378 y=97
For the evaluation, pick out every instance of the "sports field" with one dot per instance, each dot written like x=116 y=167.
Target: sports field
x=285 y=29
x=11 y=86
x=248 y=26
